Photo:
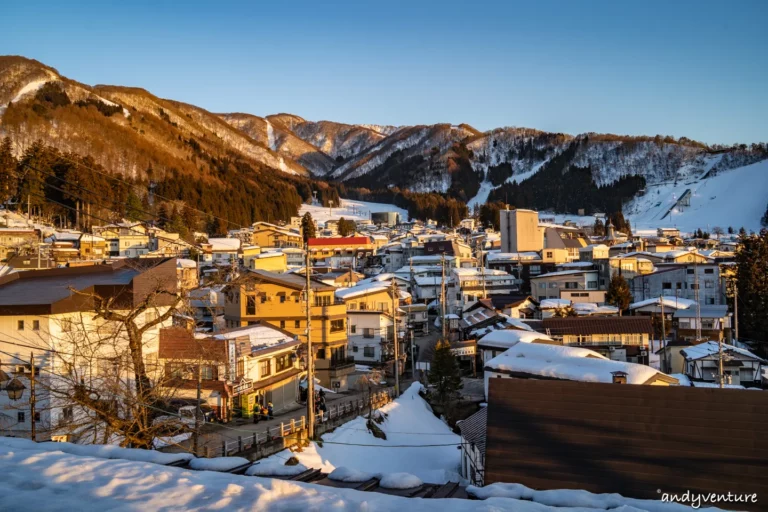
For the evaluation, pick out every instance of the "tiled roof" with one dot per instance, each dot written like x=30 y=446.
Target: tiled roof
x=474 y=429
x=598 y=325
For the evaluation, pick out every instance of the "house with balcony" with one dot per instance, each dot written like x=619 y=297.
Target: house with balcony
x=417 y=318
x=124 y=239
x=549 y=285
x=279 y=300
x=264 y=366
x=51 y=314
x=344 y=251
x=468 y=285
x=681 y=281
x=713 y=322
x=701 y=363
x=221 y=251
x=618 y=338
x=270 y=235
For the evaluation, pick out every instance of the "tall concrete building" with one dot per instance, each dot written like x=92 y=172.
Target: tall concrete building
x=520 y=231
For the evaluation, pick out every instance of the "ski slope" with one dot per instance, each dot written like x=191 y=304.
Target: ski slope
x=350 y=210
x=736 y=198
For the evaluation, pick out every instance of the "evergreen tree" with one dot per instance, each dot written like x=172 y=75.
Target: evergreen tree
x=134 y=207
x=8 y=180
x=191 y=219
x=347 y=227
x=599 y=228
x=444 y=373
x=752 y=285
x=176 y=224
x=162 y=216
x=307 y=227
x=618 y=293
x=730 y=230
x=764 y=220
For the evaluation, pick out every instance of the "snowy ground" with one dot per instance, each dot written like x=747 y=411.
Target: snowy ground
x=349 y=209
x=733 y=198
x=41 y=477
x=417 y=443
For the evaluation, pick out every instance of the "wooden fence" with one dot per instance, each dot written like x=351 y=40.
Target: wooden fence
x=639 y=441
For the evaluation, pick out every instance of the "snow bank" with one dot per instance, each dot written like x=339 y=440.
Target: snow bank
x=400 y=481
x=218 y=463
x=98 y=451
x=272 y=468
x=35 y=479
x=574 y=498
x=343 y=474
x=351 y=210
x=417 y=442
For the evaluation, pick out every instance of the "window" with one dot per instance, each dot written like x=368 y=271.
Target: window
x=352 y=306
x=553 y=285
x=282 y=298
x=354 y=348
x=694 y=286
x=282 y=324
x=320 y=354
x=35 y=325
x=282 y=362
x=264 y=368
x=67 y=414
x=297 y=324
x=337 y=325
x=666 y=286
x=689 y=271
x=369 y=352
x=208 y=372
x=250 y=305
x=367 y=332
x=458 y=296
x=352 y=329
x=571 y=286
x=709 y=283
x=263 y=297
x=549 y=254
x=592 y=285
x=709 y=271
x=323 y=300
x=20 y=325
x=542 y=285
x=21 y=417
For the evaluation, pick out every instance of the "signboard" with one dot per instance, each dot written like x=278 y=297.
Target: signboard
x=464 y=351
x=244 y=386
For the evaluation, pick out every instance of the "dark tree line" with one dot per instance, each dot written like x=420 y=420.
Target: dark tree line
x=564 y=188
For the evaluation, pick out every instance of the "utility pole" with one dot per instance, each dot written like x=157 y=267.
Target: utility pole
x=310 y=355
x=196 y=433
x=32 y=395
x=736 y=310
x=720 y=374
x=394 y=333
x=442 y=294
x=663 y=336
x=482 y=271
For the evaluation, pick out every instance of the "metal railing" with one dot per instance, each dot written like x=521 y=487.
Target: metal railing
x=350 y=408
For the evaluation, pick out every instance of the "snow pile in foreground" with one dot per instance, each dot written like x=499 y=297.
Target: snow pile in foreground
x=275 y=469
x=417 y=442
x=574 y=498
x=218 y=463
x=98 y=450
x=342 y=474
x=400 y=481
x=36 y=477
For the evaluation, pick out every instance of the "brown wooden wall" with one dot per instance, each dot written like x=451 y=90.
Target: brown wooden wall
x=633 y=440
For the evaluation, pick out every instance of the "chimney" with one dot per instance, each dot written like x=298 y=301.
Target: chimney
x=619 y=377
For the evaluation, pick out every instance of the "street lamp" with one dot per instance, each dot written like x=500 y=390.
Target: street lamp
x=15 y=389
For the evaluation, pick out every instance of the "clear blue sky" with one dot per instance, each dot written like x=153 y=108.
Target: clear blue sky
x=694 y=68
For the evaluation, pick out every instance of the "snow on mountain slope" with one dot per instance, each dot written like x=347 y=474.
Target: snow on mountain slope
x=384 y=129
x=338 y=140
x=350 y=210
x=736 y=198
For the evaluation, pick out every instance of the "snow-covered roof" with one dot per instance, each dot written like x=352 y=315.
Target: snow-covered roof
x=567 y=363
x=510 y=337
x=590 y=308
x=554 y=303
x=427 y=281
x=224 y=244
x=563 y=273
x=269 y=254
x=669 y=302
x=185 y=263
x=711 y=348
x=512 y=256
x=260 y=336
x=576 y=264
x=359 y=290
